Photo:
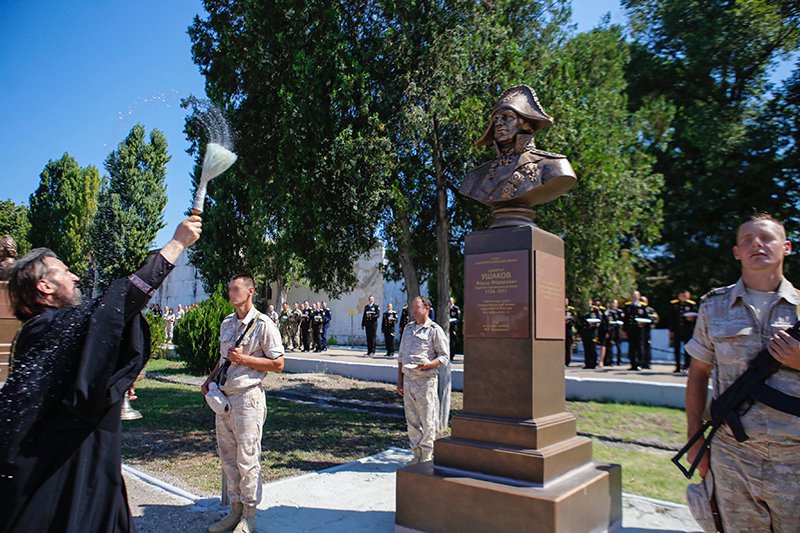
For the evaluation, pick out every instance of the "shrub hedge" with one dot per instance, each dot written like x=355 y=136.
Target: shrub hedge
x=196 y=335
x=158 y=335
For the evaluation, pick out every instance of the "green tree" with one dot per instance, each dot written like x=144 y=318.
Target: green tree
x=710 y=59
x=303 y=200
x=131 y=205
x=443 y=63
x=62 y=210
x=614 y=211
x=14 y=221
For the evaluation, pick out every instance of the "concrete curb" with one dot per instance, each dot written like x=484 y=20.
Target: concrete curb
x=207 y=503
x=577 y=388
x=364 y=371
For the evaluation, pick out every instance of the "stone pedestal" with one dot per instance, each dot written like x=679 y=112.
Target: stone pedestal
x=514 y=461
x=8 y=329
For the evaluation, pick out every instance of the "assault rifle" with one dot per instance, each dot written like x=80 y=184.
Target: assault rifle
x=737 y=399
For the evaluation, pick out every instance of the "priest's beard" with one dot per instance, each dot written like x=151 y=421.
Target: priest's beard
x=67 y=300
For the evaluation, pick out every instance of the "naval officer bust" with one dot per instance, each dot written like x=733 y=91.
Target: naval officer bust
x=521 y=175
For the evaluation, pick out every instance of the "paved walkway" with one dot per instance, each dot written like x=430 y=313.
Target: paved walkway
x=655 y=386
x=659 y=373
x=354 y=497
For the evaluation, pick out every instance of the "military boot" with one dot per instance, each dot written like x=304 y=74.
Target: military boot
x=247 y=524
x=228 y=522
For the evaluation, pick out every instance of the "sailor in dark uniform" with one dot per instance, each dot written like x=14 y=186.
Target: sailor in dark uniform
x=369 y=323
x=316 y=326
x=613 y=339
x=305 y=326
x=682 y=316
x=591 y=323
x=455 y=327
x=388 y=326
x=405 y=316
x=647 y=350
x=326 y=322
x=570 y=322
x=634 y=310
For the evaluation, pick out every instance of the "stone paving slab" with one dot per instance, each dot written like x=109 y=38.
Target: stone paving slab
x=354 y=497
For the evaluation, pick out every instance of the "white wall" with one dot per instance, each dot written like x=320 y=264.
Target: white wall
x=370 y=282
x=182 y=286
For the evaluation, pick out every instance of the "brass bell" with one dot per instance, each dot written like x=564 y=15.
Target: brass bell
x=128 y=412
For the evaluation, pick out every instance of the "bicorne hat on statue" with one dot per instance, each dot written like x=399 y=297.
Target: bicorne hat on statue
x=523 y=100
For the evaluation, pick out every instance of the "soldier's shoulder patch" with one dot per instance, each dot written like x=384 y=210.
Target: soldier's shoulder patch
x=692 y=302
x=628 y=302
x=674 y=301
x=719 y=291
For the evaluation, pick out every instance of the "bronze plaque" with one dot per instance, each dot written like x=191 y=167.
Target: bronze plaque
x=549 y=295
x=497 y=295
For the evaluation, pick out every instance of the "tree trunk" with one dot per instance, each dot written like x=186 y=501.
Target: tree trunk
x=442 y=236
x=281 y=292
x=406 y=258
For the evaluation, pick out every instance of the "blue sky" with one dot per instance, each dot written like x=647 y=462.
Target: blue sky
x=76 y=76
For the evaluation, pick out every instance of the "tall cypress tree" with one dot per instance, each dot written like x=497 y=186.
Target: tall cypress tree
x=14 y=221
x=62 y=210
x=131 y=205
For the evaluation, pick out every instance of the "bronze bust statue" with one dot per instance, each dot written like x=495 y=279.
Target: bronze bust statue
x=8 y=256
x=522 y=175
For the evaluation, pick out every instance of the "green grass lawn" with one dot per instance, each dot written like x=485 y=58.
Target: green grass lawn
x=175 y=439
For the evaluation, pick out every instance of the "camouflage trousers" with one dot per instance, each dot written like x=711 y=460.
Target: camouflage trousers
x=239 y=443
x=757 y=485
x=294 y=336
x=421 y=404
x=285 y=336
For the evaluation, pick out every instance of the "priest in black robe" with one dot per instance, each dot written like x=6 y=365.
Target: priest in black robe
x=72 y=364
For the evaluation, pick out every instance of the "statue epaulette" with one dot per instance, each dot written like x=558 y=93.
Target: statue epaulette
x=719 y=291
x=545 y=153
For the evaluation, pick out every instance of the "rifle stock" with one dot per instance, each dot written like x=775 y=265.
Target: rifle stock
x=732 y=404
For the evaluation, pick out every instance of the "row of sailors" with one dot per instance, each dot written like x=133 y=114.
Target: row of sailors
x=303 y=327
x=602 y=328
x=372 y=314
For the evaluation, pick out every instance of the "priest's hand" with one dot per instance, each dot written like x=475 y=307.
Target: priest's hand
x=186 y=234
x=188 y=231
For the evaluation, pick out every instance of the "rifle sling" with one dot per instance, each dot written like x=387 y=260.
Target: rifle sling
x=776 y=399
x=222 y=376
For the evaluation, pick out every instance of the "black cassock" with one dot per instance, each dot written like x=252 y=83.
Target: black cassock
x=60 y=428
